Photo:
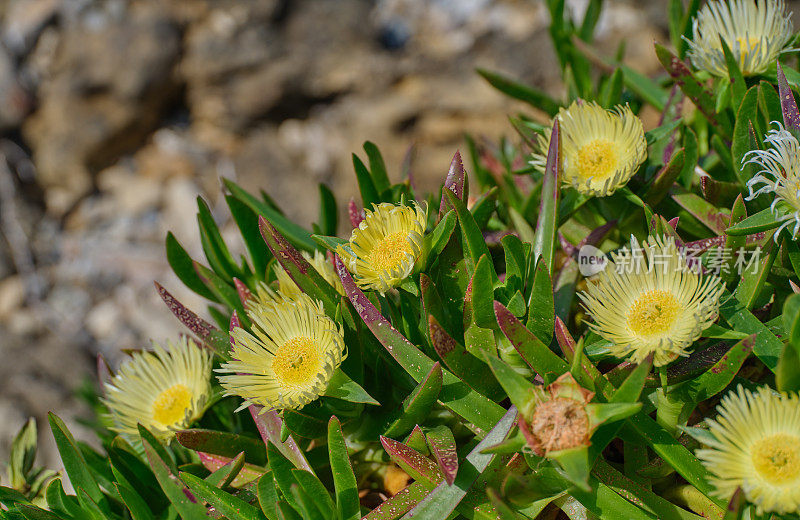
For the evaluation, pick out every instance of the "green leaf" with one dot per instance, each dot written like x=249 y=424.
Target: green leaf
x=787 y=374
x=644 y=87
x=299 y=270
x=611 y=95
x=217 y=254
x=247 y=222
x=134 y=502
x=80 y=474
x=344 y=481
x=639 y=495
x=445 y=498
x=544 y=244
x=716 y=378
x=541 y=306
x=23 y=453
x=536 y=354
x=293 y=232
x=435 y=241
x=316 y=490
x=366 y=186
x=534 y=97
x=281 y=469
x=376 y=167
x=752 y=281
x=223 y=502
x=223 y=443
x=458 y=397
x=520 y=391
x=791 y=320
x=418 y=404
x=342 y=387
x=665 y=179
x=481 y=295
x=268 y=496
x=472 y=238
x=463 y=363
x=185 y=503
x=738 y=86
x=745 y=116
x=762 y=221
x=665 y=445
x=183 y=266
x=35 y=513
x=693 y=89
x=767 y=346
x=328 y=213
x=712 y=217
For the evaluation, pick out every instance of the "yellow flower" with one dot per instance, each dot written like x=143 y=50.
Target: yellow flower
x=290 y=289
x=650 y=301
x=385 y=247
x=756 y=446
x=289 y=358
x=779 y=174
x=601 y=149
x=164 y=390
x=755 y=32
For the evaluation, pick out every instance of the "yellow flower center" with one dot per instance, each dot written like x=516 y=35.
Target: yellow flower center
x=390 y=252
x=170 y=406
x=653 y=312
x=597 y=159
x=777 y=458
x=745 y=45
x=297 y=361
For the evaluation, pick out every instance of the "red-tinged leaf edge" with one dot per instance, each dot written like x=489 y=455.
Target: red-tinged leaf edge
x=453 y=182
x=193 y=322
x=418 y=466
x=269 y=425
x=243 y=291
x=355 y=213
x=791 y=116
x=443 y=448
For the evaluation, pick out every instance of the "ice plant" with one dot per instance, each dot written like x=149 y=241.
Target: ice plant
x=649 y=300
x=321 y=264
x=164 y=390
x=754 y=444
x=558 y=422
x=755 y=31
x=290 y=356
x=602 y=149
x=779 y=174
x=385 y=247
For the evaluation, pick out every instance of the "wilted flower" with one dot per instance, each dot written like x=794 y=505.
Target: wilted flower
x=321 y=264
x=386 y=245
x=755 y=444
x=755 y=32
x=601 y=149
x=289 y=358
x=779 y=174
x=164 y=390
x=651 y=301
x=558 y=423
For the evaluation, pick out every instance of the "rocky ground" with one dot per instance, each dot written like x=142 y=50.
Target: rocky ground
x=116 y=114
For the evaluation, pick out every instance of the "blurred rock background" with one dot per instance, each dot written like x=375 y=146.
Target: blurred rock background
x=116 y=114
